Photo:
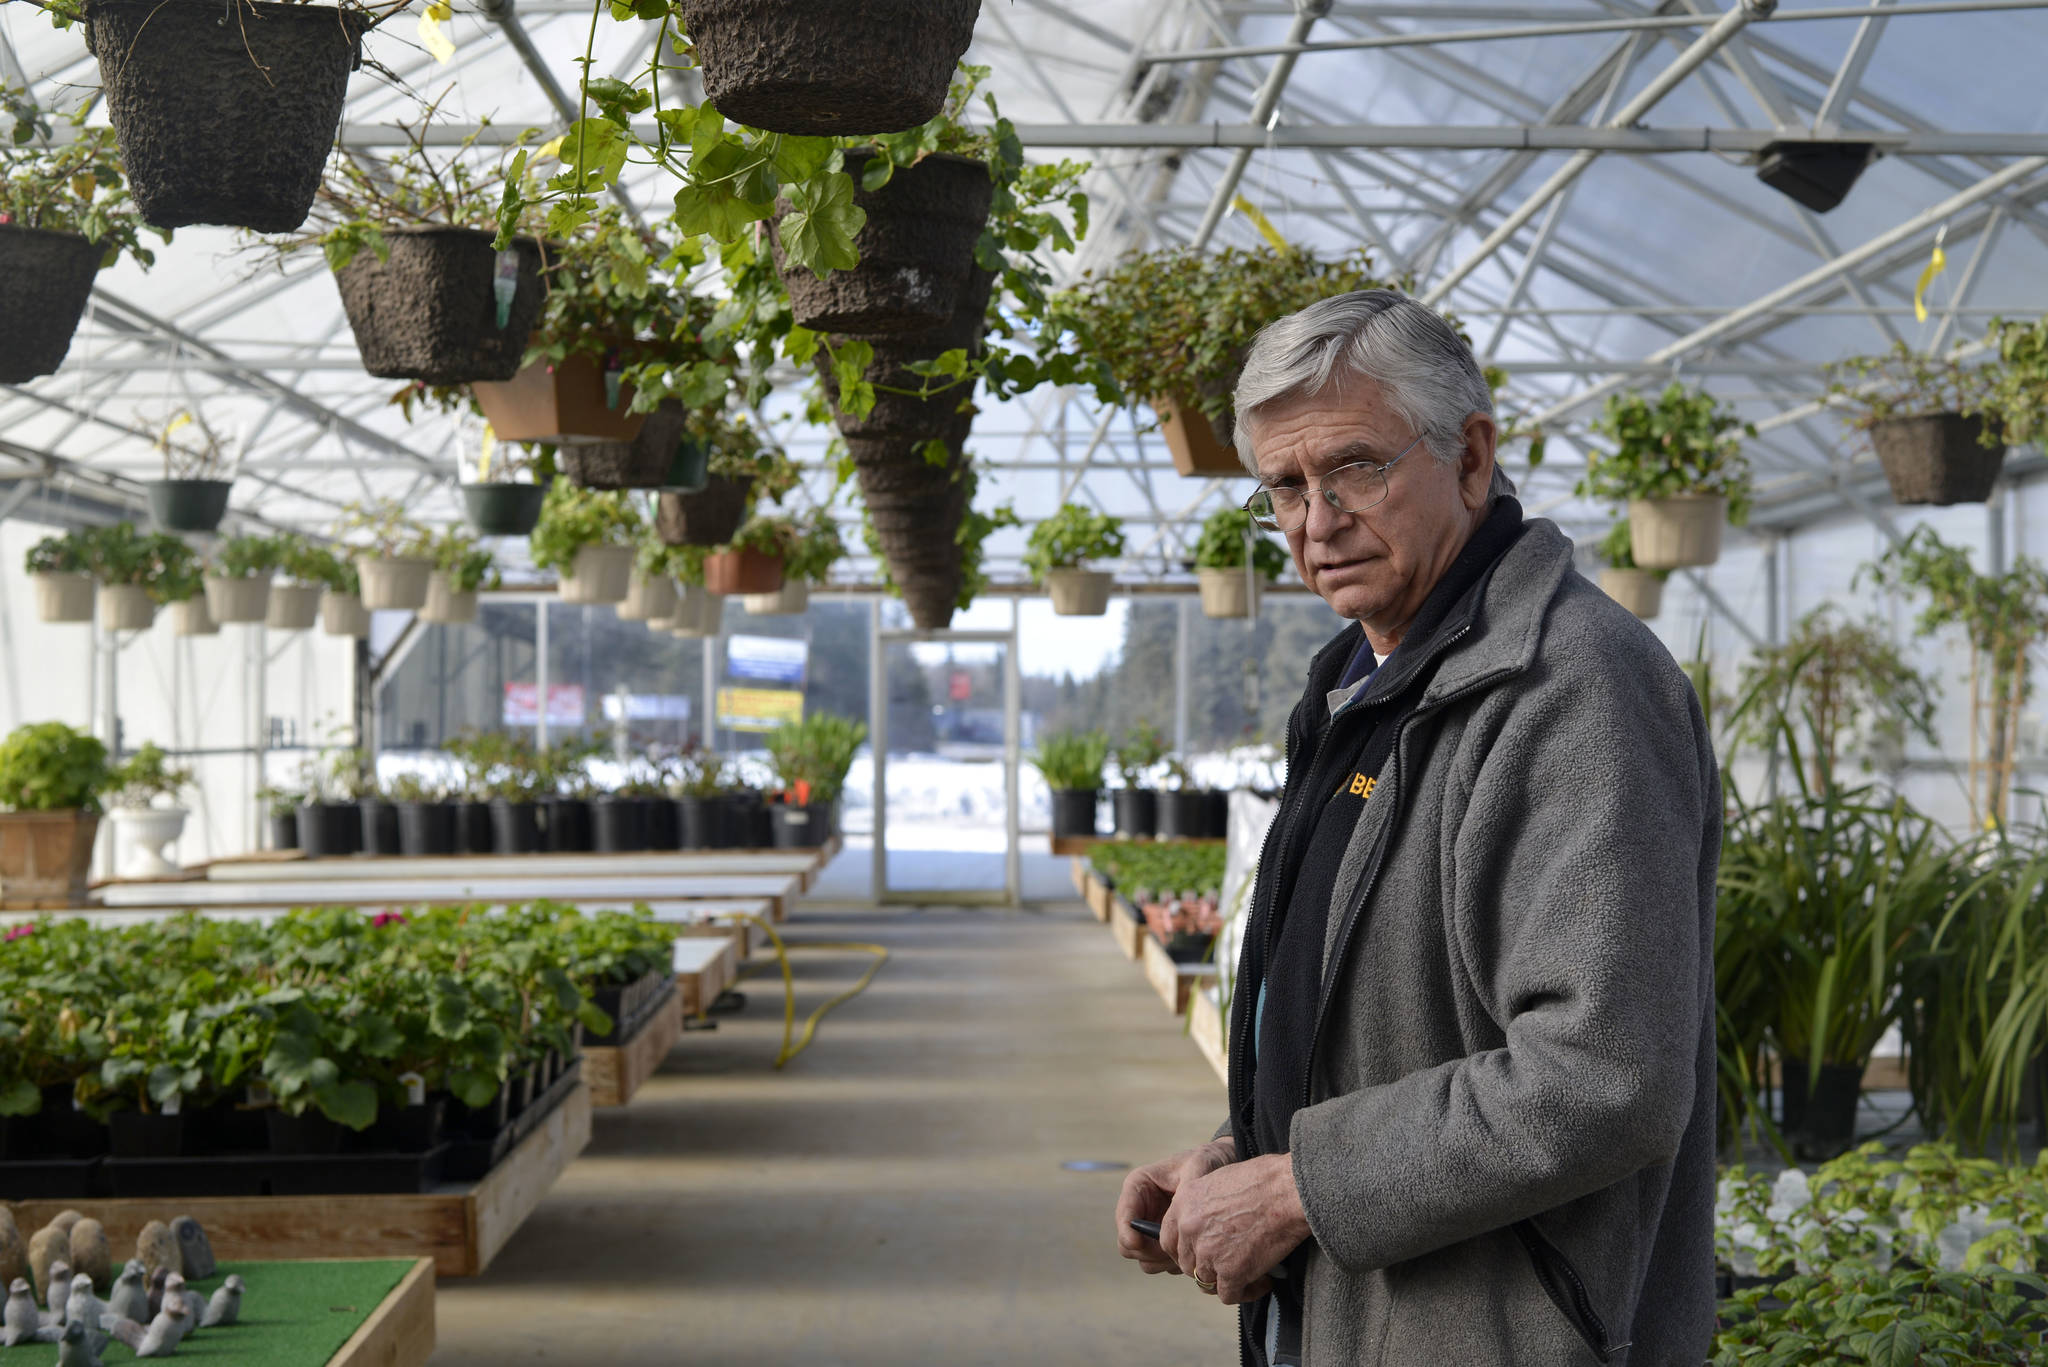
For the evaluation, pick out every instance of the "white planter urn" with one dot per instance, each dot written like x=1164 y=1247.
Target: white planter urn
x=140 y=837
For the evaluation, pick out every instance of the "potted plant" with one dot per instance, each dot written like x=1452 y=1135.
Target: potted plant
x=427 y=294
x=1135 y=806
x=1678 y=465
x=811 y=759
x=752 y=562
x=811 y=547
x=462 y=570
x=566 y=789
x=470 y=799
x=1184 y=809
x=64 y=216
x=330 y=814
x=587 y=537
x=142 y=829
x=813 y=71
x=699 y=613
x=238 y=579
x=426 y=819
x=51 y=779
x=1220 y=553
x=1071 y=762
x=506 y=768
x=1058 y=549
x=1640 y=591
x=295 y=599
x=498 y=502
x=1171 y=328
x=182 y=589
x=341 y=597
x=60 y=568
x=281 y=812
x=224 y=121
x=651 y=595
x=396 y=566
x=198 y=476
x=740 y=468
x=1929 y=420
x=131 y=569
x=700 y=786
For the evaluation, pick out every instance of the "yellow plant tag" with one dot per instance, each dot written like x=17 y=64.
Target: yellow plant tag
x=483 y=464
x=1262 y=223
x=437 y=43
x=1936 y=264
x=182 y=420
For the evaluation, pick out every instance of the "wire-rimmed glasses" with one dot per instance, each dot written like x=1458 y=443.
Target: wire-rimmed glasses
x=1349 y=488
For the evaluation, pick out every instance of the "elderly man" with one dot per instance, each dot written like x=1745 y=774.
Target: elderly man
x=1472 y=1041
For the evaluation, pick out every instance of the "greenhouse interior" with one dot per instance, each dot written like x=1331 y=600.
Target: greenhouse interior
x=600 y=604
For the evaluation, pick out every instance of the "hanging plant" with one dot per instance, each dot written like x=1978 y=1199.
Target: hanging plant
x=60 y=569
x=463 y=569
x=239 y=577
x=64 y=216
x=1058 y=549
x=511 y=481
x=1640 y=591
x=394 y=555
x=295 y=600
x=229 y=119
x=134 y=572
x=1931 y=421
x=198 y=476
x=1171 y=328
x=906 y=507
x=1220 y=554
x=742 y=468
x=587 y=538
x=1678 y=465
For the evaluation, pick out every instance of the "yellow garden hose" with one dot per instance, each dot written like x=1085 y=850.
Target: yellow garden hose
x=786 y=1053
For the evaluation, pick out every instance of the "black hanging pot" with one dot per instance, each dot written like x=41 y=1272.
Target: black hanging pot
x=503 y=509
x=1137 y=812
x=1937 y=458
x=1073 y=812
x=708 y=517
x=823 y=69
x=426 y=828
x=690 y=471
x=188 y=505
x=328 y=830
x=618 y=825
x=380 y=827
x=1183 y=816
x=224 y=120
x=515 y=827
x=284 y=830
x=435 y=309
x=45 y=280
x=642 y=463
x=473 y=828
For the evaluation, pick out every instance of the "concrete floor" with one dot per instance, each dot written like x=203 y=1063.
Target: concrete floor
x=894 y=1196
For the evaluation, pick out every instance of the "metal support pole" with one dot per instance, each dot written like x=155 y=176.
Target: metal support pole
x=1306 y=12
x=1182 y=614
x=540 y=674
x=706 y=727
x=1013 y=755
x=1703 y=47
x=878 y=747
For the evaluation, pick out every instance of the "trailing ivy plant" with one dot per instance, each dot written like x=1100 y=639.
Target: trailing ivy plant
x=1903 y=383
x=1070 y=537
x=572 y=518
x=1683 y=442
x=72 y=186
x=1221 y=546
x=2018 y=401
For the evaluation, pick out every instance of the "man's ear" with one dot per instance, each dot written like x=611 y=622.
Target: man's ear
x=1475 y=465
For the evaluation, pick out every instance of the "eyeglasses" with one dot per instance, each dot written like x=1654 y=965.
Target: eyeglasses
x=1349 y=489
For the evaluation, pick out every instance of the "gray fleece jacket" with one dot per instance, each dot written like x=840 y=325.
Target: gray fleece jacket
x=1508 y=1155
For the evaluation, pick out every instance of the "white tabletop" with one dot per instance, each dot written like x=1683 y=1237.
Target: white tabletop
x=470 y=867
x=581 y=891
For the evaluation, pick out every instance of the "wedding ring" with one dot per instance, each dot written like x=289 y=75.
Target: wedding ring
x=1207 y=1288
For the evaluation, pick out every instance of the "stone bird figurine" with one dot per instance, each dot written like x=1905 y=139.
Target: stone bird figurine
x=226 y=1306
x=163 y=1336
x=130 y=1297
x=176 y=1293
x=22 y=1318
x=155 y=1283
x=75 y=1348
x=81 y=1306
x=60 y=1289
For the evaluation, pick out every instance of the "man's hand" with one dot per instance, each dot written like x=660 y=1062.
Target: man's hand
x=1148 y=1192
x=1230 y=1227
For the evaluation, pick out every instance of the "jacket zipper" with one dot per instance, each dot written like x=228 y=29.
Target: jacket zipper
x=1571 y=1299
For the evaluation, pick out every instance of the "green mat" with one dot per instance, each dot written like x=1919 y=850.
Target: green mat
x=294 y=1314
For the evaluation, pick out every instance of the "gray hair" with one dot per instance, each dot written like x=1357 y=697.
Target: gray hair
x=1423 y=367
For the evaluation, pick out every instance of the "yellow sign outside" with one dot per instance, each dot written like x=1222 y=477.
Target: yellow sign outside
x=759 y=709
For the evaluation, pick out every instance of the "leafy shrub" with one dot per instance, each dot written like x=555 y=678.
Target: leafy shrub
x=1683 y=443
x=49 y=767
x=1072 y=760
x=1223 y=539
x=572 y=518
x=1070 y=537
x=65 y=554
x=813 y=756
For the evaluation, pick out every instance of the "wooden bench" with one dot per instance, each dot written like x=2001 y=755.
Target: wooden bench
x=1172 y=981
x=615 y=1072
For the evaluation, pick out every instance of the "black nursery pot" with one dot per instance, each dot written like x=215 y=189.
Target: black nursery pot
x=1073 y=811
x=135 y=1135
x=58 y=1130
x=699 y=821
x=284 y=830
x=473 y=828
x=406 y=1129
x=308 y=1133
x=1821 y=1123
x=664 y=823
x=1137 y=812
x=188 y=505
x=328 y=830
x=566 y=822
x=515 y=827
x=1183 y=816
x=45 y=280
x=224 y=122
x=618 y=825
x=801 y=828
x=380 y=827
x=225 y=1128
x=426 y=828
x=749 y=825
x=1216 y=813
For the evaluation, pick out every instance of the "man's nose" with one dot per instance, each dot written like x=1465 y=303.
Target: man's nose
x=1323 y=517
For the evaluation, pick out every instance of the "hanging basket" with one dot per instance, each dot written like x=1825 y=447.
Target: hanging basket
x=708 y=517
x=699 y=613
x=1937 y=458
x=915 y=508
x=560 y=401
x=916 y=250
x=600 y=574
x=430 y=311
x=503 y=509
x=1078 y=593
x=394 y=582
x=343 y=614
x=825 y=68
x=1198 y=445
x=444 y=605
x=691 y=471
x=1676 y=533
x=226 y=122
x=1225 y=593
x=791 y=599
x=1640 y=591
x=742 y=572
x=191 y=617
x=45 y=280
x=649 y=598
x=238 y=600
x=188 y=505
x=293 y=607
x=63 y=597
x=642 y=463
x=126 y=607
x=905 y=416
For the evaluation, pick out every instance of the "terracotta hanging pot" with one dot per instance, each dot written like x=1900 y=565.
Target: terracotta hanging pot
x=742 y=572
x=576 y=399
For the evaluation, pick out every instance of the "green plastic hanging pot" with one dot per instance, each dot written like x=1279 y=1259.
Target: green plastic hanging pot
x=503 y=509
x=188 y=505
x=691 y=470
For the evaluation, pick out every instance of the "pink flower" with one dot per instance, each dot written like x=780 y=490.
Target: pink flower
x=17 y=932
x=390 y=918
